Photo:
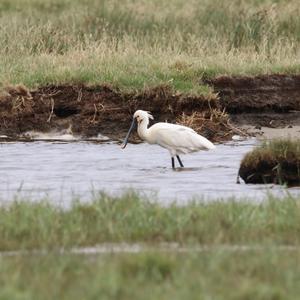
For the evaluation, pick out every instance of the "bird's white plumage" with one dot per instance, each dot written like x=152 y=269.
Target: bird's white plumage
x=177 y=139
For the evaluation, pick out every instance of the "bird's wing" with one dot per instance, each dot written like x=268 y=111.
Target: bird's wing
x=180 y=138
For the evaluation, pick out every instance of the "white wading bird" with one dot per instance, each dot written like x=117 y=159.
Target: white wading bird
x=177 y=139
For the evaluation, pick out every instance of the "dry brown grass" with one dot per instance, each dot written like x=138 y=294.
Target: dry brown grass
x=214 y=123
x=17 y=97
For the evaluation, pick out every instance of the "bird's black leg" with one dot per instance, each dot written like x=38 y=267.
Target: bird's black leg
x=180 y=162
x=173 y=163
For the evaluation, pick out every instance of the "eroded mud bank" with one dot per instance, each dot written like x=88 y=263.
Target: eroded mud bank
x=261 y=103
x=91 y=110
x=265 y=93
x=275 y=161
x=272 y=100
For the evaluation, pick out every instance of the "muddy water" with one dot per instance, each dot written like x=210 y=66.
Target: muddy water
x=62 y=171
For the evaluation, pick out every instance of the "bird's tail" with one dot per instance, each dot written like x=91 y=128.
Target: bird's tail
x=207 y=144
x=210 y=145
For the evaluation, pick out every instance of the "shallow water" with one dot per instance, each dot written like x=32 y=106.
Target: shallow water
x=62 y=171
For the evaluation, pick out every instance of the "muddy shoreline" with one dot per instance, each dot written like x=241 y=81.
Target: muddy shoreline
x=242 y=105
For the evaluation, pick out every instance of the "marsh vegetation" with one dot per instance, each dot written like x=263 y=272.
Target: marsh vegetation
x=249 y=250
x=268 y=274
x=131 y=219
x=146 y=43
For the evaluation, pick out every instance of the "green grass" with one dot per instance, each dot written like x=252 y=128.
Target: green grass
x=221 y=270
x=140 y=44
x=275 y=150
x=267 y=274
x=27 y=225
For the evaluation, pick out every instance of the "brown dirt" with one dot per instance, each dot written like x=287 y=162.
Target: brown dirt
x=266 y=93
x=98 y=109
x=270 y=100
x=265 y=171
x=258 y=103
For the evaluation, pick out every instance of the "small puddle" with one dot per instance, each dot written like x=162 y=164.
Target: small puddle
x=123 y=248
x=63 y=171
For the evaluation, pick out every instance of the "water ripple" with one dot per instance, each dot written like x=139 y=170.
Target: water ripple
x=60 y=171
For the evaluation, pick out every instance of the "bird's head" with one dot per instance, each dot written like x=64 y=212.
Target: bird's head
x=141 y=115
x=138 y=117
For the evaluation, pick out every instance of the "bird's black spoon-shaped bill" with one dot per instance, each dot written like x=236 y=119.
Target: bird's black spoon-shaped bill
x=132 y=126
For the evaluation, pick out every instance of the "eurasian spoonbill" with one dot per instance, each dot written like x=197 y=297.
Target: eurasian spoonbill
x=177 y=139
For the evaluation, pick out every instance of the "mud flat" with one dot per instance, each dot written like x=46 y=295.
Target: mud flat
x=241 y=105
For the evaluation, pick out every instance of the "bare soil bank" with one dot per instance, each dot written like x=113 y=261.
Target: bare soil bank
x=101 y=109
x=267 y=106
x=265 y=93
x=266 y=171
x=270 y=101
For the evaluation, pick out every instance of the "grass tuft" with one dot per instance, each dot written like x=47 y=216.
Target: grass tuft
x=276 y=161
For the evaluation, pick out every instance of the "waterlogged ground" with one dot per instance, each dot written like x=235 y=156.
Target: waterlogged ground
x=62 y=171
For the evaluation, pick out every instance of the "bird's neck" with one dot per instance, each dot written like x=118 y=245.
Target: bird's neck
x=143 y=129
